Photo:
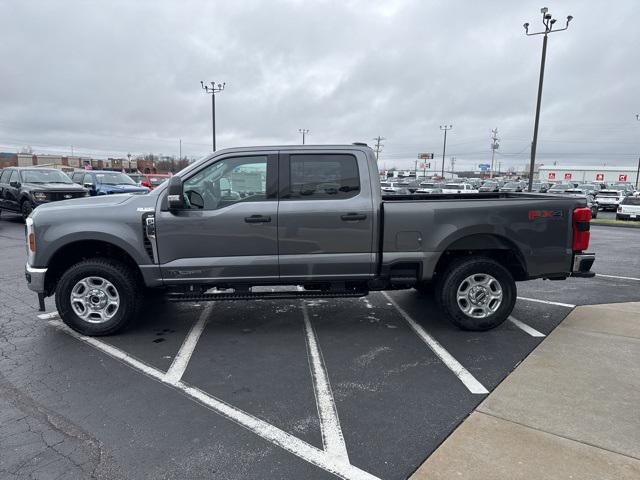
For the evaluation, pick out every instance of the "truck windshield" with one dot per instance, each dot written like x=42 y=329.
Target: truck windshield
x=454 y=186
x=44 y=176
x=114 y=178
x=631 y=201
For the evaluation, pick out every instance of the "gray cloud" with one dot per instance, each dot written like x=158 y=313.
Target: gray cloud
x=122 y=76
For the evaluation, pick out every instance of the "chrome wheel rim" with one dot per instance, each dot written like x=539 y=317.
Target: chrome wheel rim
x=479 y=295
x=95 y=299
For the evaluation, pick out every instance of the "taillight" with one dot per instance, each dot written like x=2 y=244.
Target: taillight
x=581 y=225
x=619 y=209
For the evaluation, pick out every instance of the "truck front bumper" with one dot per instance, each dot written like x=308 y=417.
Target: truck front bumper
x=582 y=263
x=35 y=278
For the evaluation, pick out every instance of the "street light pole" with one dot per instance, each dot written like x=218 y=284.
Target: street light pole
x=212 y=90
x=548 y=23
x=445 y=128
x=304 y=132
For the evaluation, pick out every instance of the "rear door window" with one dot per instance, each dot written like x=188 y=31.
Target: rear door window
x=323 y=177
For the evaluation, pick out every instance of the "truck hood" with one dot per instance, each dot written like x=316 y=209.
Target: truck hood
x=54 y=187
x=84 y=202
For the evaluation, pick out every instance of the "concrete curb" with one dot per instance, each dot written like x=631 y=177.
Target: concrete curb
x=568 y=411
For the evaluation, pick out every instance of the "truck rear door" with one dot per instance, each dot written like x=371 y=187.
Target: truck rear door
x=325 y=215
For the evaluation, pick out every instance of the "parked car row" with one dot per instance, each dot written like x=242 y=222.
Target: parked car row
x=24 y=188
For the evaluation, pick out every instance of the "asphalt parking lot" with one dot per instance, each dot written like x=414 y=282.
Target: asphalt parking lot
x=351 y=388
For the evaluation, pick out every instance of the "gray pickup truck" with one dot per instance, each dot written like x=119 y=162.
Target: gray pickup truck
x=309 y=217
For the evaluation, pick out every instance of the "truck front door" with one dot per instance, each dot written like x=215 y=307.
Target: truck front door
x=325 y=216
x=228 y=229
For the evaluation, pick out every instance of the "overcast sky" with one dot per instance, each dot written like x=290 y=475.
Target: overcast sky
x=122 y=76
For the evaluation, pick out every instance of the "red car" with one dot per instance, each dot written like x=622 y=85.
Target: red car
x=153 y=180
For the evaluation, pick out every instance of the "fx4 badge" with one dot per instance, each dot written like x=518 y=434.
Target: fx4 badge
x=533 y=214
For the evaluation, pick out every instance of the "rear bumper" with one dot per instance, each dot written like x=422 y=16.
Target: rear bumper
x=582 y=263
x=35 y=278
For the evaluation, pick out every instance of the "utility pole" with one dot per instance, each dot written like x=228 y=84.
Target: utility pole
x=548 y=23
x=638 y=171
x=494 y=146
x=445 y=128
x=71 y=150
x=212 y=90
x=499 y=167
x=453 y=164
x=304 y=132
x=378 y=146
x=180 y=157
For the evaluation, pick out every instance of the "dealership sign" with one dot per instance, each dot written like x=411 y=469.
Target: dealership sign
x=552 y=175
x=425 y=156
x=622 y=178
x=599 y=177
x=567 y=176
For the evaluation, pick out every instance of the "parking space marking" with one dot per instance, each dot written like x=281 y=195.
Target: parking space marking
x=617 y=277
x=547 y=302
x=469 y=381
x=48 y=315
x=332 y=437
x=322 y=459
x=526 y=328
x=181 y=360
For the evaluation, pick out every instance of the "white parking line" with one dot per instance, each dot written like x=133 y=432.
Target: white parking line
x=547 y=302
x=325 y=460
x=526 y=328
x=332 y=437
x=48 y=315
x=181 y=360
x=469 y=381
x=617 y=277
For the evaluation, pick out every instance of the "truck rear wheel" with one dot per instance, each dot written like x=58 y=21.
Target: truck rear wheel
x=97 y=296
x=476 y=293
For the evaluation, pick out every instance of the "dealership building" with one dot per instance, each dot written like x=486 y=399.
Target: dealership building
x=556 y=173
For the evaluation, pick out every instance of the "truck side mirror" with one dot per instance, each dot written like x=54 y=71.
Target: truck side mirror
x=175 y=198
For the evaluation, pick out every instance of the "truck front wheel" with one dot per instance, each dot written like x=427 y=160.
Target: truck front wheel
x=476 y=293
x=97 y=296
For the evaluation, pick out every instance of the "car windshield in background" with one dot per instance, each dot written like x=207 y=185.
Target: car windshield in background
x=608 y=194
x=512 y=185
x=631 y=201
x=45 y=176
x=114 y=178
x=155 y=181
x=429 y=185
x=454 y=186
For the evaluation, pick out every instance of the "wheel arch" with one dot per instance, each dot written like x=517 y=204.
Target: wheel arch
x=491 y=245
x=74 y=252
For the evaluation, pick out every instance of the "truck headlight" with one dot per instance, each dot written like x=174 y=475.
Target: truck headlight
x=40 y=196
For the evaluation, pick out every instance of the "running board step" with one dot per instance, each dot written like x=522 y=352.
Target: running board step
x=216 y=297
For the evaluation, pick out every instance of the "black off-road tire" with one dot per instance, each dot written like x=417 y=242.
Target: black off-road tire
x=26 y=207
x=452 y=279
x=123 y=279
